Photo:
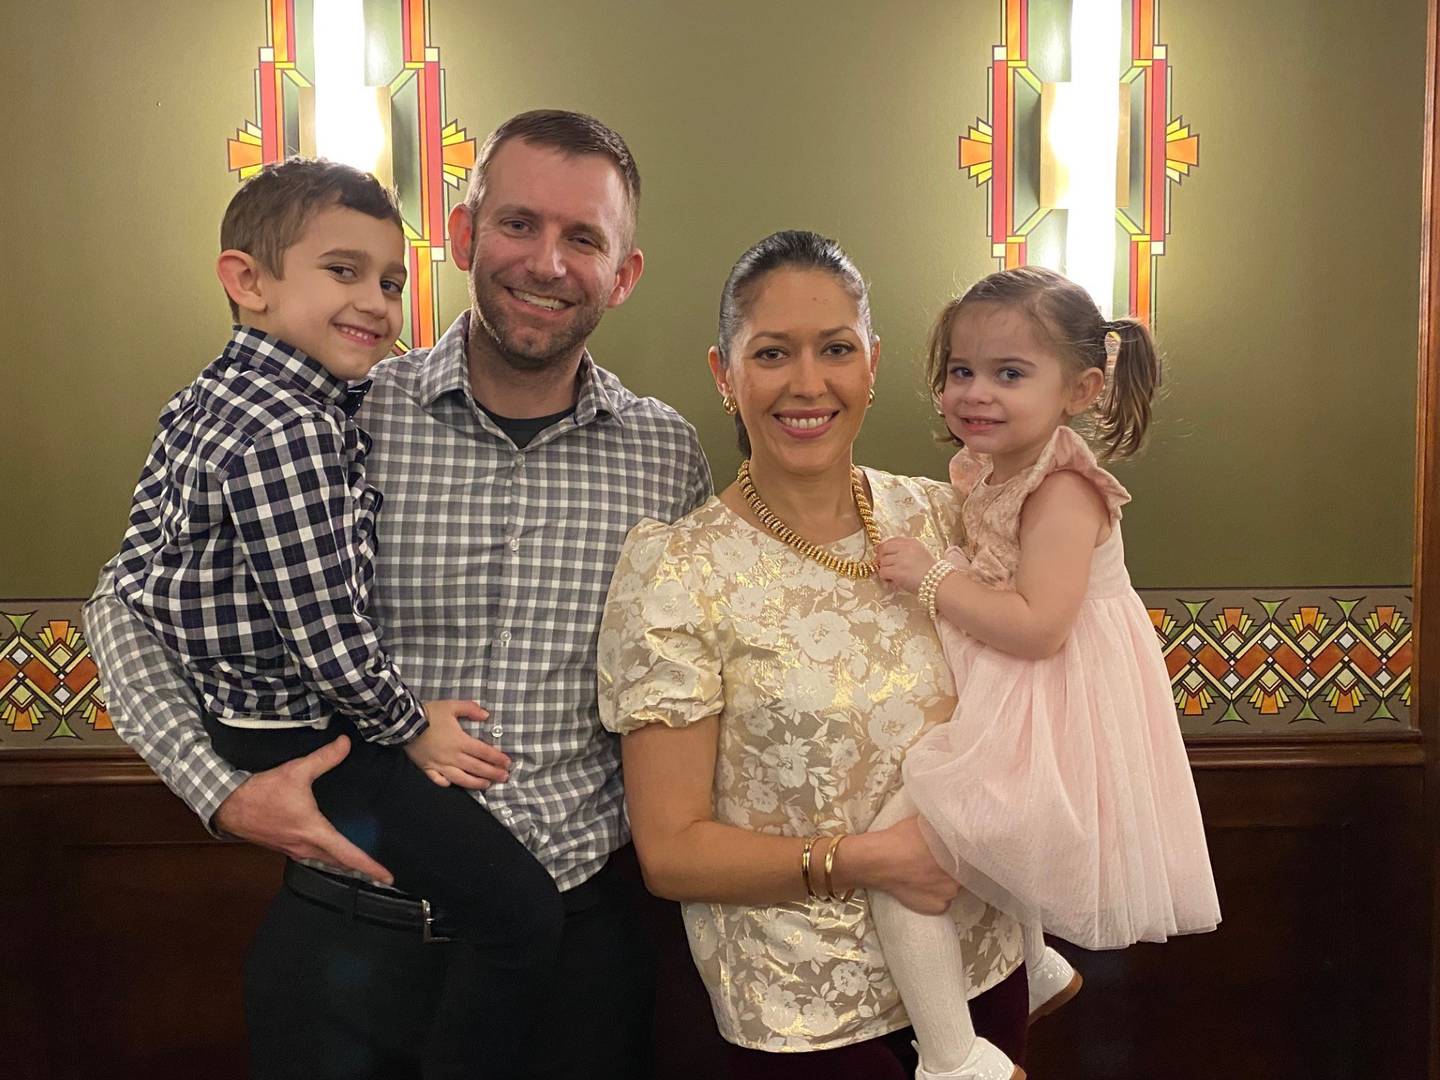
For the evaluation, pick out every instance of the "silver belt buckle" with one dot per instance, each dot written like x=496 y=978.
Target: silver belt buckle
x=426 y=935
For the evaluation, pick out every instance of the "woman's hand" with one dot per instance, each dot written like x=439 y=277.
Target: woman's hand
x=903 y=562
x=898 y=861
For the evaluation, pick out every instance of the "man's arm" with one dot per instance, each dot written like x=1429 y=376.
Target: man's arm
x=699 y=485
x=156 y=712
x=154 y=708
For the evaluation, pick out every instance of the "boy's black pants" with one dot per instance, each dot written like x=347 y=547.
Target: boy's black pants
x=487 y=996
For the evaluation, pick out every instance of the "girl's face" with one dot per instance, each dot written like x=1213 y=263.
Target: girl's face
x=1007 y=388
x=800 y=369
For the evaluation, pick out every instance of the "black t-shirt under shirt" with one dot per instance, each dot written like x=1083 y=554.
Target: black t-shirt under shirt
x=521 y=430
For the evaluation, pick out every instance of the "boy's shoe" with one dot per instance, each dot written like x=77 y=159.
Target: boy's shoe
x=1052 y=983
x=986 y=1061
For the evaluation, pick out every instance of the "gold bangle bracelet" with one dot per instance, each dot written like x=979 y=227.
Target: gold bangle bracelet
x=830 y=869
x=805 y=866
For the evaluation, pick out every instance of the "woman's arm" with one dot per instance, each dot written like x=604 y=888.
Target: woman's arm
x=1059 y=528
x=685 y=854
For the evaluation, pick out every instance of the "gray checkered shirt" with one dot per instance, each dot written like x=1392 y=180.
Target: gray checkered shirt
x=490 y=579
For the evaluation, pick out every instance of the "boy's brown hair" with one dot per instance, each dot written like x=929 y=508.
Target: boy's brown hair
x=270 y=211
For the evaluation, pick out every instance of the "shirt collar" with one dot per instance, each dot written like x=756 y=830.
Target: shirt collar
x=251 y=348
x=446 y=370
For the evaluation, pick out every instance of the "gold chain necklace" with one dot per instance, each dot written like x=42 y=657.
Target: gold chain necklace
x=844 y=567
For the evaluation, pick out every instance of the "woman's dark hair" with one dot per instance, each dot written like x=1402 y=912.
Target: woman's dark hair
x=1066 y=315
x=790 y=249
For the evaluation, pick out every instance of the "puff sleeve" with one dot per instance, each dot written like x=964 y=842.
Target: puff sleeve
x=658 y=657
x=1068 y=451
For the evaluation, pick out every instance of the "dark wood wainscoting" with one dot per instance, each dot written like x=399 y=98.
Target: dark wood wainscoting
x=1320 y=969
x=125 y=926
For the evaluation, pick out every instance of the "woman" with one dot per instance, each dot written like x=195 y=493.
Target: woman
x=767 y=685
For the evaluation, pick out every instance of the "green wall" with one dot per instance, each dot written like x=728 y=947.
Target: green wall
x=1287 y=303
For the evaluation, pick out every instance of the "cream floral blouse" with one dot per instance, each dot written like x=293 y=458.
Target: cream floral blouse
x=821 y=683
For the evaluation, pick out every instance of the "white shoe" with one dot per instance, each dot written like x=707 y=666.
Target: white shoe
x=986 y=1061
x=1052 y=983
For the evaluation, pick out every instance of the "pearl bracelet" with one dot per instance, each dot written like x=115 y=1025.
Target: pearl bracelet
x=930 y=584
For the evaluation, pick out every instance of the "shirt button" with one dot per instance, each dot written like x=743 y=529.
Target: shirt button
x=518 y=460
x=514 y=545
x=506 y=813
x=504 y=637
x=496 y=731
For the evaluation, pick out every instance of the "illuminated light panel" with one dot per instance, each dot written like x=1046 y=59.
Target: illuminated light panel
x=995 y=150
x=352 y=121
x=1092 y=129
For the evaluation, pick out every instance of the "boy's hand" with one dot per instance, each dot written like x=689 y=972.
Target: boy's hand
x=449 y=756
x=903 y=562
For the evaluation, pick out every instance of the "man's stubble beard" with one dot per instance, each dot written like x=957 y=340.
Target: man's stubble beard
x=556 y=349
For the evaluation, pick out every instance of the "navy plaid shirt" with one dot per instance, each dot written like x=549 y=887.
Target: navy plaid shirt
x=251 y=546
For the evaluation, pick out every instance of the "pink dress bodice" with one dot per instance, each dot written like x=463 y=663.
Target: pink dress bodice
x=991 y=513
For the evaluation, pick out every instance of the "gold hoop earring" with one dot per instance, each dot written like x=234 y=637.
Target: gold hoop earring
x=728 y=404
x=872 y=396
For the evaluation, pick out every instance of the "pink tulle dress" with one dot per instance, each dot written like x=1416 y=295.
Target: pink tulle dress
x=1060 y=790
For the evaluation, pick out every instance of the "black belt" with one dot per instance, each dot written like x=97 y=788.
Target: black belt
x=356 y=899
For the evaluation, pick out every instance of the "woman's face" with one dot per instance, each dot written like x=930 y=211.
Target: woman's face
x=800 y=368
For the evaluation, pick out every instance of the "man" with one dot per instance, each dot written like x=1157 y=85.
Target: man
x=512 y=468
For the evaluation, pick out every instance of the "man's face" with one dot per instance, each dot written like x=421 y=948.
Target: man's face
x=547 y=250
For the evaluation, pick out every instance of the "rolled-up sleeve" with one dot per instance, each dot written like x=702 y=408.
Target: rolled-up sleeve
x=658 y=657
x=153 y=706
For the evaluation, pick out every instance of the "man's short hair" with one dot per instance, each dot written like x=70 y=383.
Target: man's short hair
x=569 y=132
x=270 y=211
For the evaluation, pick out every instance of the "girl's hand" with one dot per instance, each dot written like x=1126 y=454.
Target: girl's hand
x=449 y=756
x=903 y=562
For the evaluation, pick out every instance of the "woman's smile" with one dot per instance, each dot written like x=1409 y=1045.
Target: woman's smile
x=806 y=423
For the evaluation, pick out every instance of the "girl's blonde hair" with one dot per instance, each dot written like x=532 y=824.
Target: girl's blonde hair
x=1069 y=319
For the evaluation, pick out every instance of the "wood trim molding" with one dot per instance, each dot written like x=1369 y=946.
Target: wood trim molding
x=93 y=765
x=1340 y=751
x=1425 y=677
x=1426 y=637
x=121 y=765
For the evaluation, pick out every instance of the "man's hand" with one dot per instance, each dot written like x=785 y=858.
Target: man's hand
x=903 y=562
x=449 y=756
x=276 y=809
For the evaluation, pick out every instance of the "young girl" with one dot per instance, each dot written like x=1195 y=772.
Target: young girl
x=1060 y=790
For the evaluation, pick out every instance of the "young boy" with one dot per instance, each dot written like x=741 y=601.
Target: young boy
x=250 y=555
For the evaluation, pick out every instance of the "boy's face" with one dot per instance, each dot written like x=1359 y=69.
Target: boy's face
x=338 y=296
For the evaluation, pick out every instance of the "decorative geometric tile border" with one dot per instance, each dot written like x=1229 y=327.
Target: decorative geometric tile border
x=1267 y=661
x=49 y=687
x=1241 y=662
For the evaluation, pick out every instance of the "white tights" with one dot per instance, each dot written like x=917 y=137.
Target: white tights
x=923 y=955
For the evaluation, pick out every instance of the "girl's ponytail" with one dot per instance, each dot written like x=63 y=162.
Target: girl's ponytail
x=1131 y=380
